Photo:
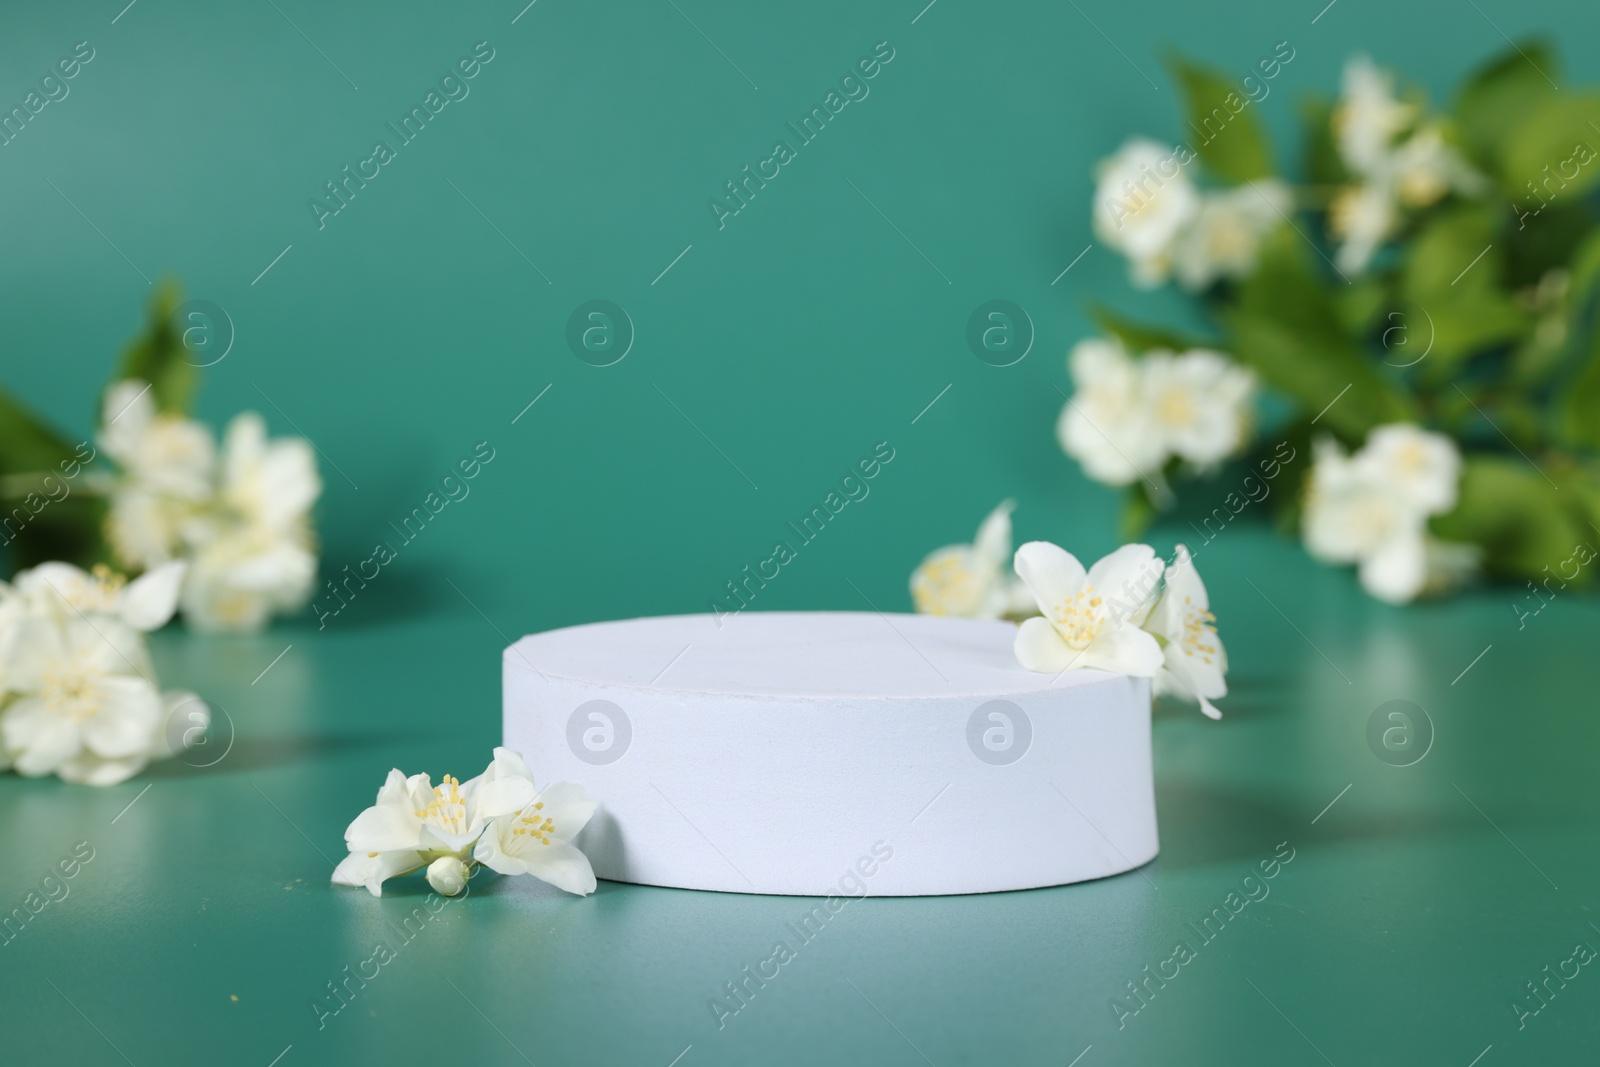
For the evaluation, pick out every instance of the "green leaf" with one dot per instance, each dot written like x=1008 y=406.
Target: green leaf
x=159 y=357
x=1578 y=414
x=1324 y=165
x=27 y=443
x=1137 y=337
x=1453 y=276
x=1228 y=137
x=1553 y=149
x=1522 y=522
x=43 y=513
x=1287 y=326
x=1497 y=99
x=1361 y=306
x=69 y=529
x=1137 y=513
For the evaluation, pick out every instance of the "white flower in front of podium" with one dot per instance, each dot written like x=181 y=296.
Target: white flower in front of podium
x=970 y=581
x=1142 y=202
x=1199 y=402
x=415 y=825
x=1107 y=425
x=1225 y=236
x=1194 y=662
x=1089 y=619
x=538 y=840
x=79 y=694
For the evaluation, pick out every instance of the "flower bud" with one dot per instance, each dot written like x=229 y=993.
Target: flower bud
x=447 y=875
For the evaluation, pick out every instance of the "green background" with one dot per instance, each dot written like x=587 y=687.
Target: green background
x=813 y=326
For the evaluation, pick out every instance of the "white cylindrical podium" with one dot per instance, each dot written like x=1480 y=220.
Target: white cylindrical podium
x=834 y=753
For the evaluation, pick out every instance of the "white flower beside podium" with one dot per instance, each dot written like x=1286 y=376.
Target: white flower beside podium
x=842 y=753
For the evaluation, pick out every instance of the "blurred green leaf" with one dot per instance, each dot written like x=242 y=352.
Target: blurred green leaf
x=43 y=515
x=70 y=529
x=1137 y=337
x=1555 y=148
x=1323 y=164
x=1137 y=514
x=1361 y=306
x=1578 y=413
x=1499 y=97
x=1287 y=326
x=159 y=357
x=1520 y=519
x=27 y=444
x=1543 y=239
x=1227 y=135
x=1452 y=274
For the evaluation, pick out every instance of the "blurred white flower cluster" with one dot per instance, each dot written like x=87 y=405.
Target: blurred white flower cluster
x=1146 y=207
x=1390 y=171
x=241 y=517
x=1372 y=509
x=497 y=820
x=1128 y=417
x=78 y=696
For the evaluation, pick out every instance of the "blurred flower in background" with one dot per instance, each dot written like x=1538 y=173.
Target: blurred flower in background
x=243 y=522
x=1388 y=175
x=972 y=581
x=1129 y=417
x=1372 y=509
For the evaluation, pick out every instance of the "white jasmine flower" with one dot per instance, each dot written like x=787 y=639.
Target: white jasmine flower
x=1362 y=217
x=970 y=581
x=1141 y=204
x=1372 y=509
x=239 y=578
x=1369 y=116
x=166 y=453
x=1199 y=403
x=169 y=465
x=1194 y=661
x=61 y=591
x=538 y=840
x=1107 y=425
x=495 y=819
x=1089 y=619
x=252 y=552
x=1425 y=168
x=1424 y=468
x=85 y=708
x=268 y=483
x=1225 y=237
x=1128 y=417
x=84 y=702
x=1416 y=173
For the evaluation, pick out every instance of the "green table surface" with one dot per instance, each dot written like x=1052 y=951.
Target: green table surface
x=1418 y=902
